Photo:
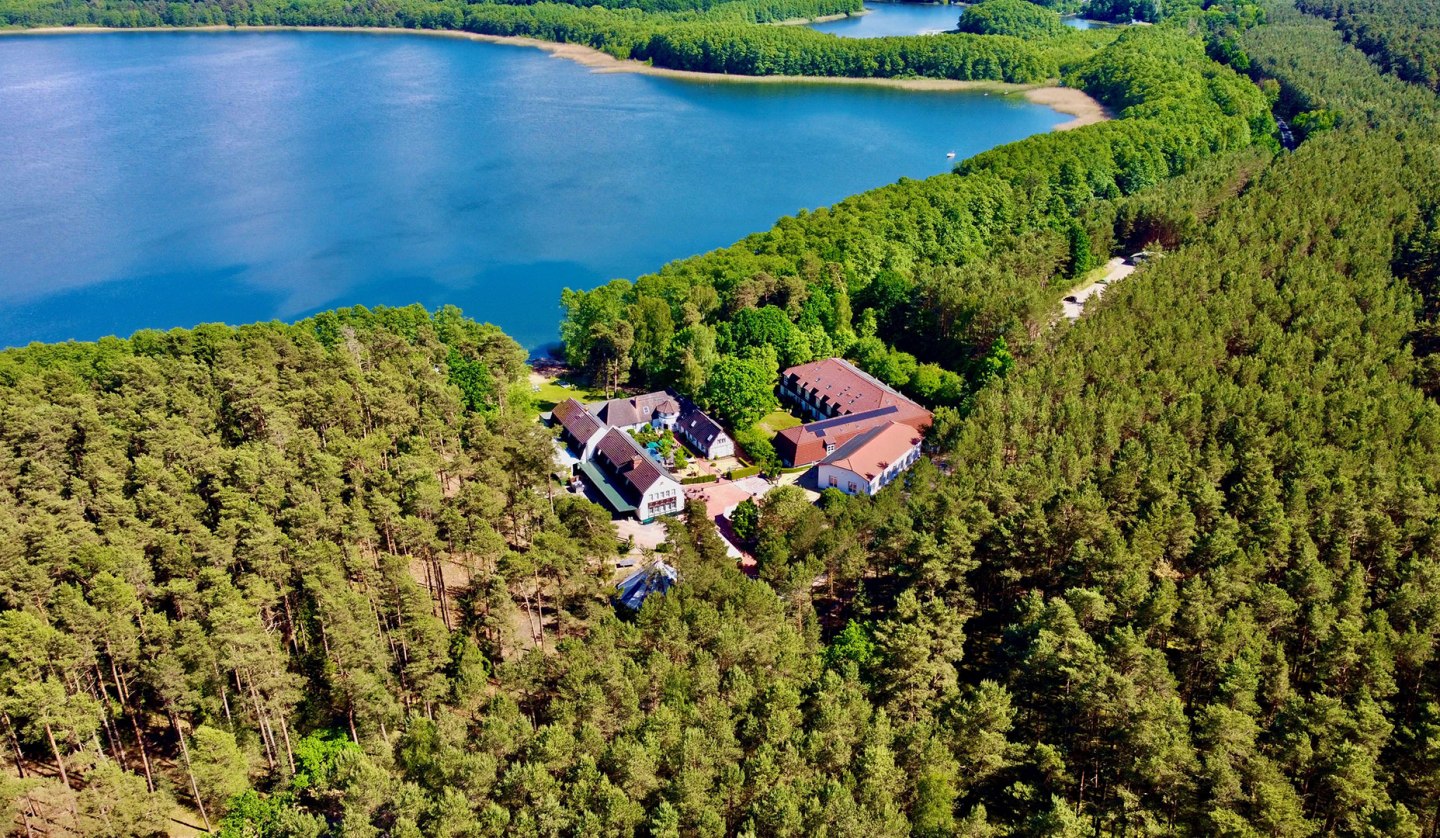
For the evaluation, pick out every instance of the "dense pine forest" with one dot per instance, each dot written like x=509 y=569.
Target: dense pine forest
x=1173 y=569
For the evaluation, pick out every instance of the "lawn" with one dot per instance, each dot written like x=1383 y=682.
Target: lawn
x=777 y=421
x=551 y=391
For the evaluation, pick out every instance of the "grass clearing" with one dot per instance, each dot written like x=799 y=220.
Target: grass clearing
x=548 y=392
x=776 y=421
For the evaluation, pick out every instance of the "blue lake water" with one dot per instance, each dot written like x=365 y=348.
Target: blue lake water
x=153 y=180
x=886 y=19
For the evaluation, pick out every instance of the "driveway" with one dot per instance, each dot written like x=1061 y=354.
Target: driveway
x=646 y=535
x=1115 y=270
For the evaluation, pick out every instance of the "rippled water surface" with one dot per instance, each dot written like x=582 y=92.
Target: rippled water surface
x=152 y=180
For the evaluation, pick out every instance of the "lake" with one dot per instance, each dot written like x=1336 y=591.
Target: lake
x=885 y=19
x=154 y=180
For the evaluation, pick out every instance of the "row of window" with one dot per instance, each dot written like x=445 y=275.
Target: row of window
x=888 y=475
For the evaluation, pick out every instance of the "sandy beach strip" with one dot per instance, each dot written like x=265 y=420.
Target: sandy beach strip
x=1076 y=103
x=806 y=21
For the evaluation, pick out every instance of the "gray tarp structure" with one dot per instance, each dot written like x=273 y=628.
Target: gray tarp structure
x=655 y=578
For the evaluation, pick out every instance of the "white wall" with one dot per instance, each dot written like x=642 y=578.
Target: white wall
x=844 y=477
x=723 y=446
x=663 y=490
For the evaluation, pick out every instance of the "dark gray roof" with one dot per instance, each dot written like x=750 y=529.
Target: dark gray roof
x=698 y=426
x=657 y=578
x=636 y=409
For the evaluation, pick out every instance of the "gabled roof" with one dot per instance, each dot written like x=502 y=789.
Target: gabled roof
x=806 y=443
x=631 y=462
x=847 y=426
x=836 y=381
x=870 y=453
x=636 y=409
x=574 y=418
x=698 y=426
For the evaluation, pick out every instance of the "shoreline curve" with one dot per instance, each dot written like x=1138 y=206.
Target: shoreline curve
x=1078 y=104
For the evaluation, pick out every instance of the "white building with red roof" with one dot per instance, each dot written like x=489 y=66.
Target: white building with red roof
x=869 y=462
x=630 y=479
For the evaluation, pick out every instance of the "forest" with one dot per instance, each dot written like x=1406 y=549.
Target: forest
x=1400 y=36
x=715 y=37
x=930 y=285
x=1173 y=569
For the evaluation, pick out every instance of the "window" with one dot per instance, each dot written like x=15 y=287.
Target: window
x=834 y=481
x=829 y=448
x=852 y=487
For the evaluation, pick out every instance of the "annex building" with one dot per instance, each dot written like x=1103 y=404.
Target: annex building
x=846 y=403
x=870 y=461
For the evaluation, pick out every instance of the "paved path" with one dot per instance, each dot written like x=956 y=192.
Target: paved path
x=1115 y=270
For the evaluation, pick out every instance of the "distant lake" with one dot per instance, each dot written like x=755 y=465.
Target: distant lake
x=885 y=19
x=154 y=180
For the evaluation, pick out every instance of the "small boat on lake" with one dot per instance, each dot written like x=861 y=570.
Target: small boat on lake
x=950 y=155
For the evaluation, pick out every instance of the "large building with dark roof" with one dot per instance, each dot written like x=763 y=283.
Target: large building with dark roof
x=835 y=387
x=659 y=410
x=626 y=475
x=631 y=479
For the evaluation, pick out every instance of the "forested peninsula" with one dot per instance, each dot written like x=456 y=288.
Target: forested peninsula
x=1172 y=569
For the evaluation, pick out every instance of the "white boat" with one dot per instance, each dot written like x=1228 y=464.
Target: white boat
x=950 y=155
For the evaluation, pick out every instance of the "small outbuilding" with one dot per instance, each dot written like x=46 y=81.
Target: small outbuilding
x=657 y=577
x=579 y=429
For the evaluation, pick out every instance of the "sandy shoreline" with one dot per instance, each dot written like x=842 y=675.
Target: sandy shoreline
x=1066 y=100
x=805 y=21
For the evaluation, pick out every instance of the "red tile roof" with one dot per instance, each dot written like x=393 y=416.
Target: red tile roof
x=837 y=382
x=870 y=453
x=805 y=444
x=630 y=461
x=575 y=419
x=718 y=497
